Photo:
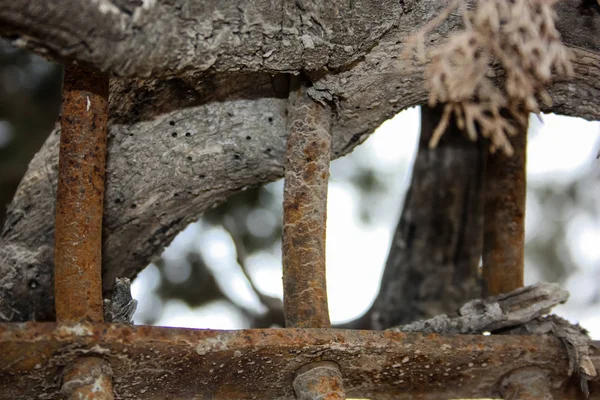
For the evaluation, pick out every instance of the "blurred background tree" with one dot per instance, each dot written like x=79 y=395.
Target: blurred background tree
x=225 y=272
x=29 y=105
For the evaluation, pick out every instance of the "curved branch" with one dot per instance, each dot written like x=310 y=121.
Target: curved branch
x=160 y=38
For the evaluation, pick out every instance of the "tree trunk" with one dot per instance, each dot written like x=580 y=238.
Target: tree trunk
x=432 y=266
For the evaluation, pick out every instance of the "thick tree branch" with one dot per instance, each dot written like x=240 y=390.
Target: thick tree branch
x=160 y=38
x=180 y=145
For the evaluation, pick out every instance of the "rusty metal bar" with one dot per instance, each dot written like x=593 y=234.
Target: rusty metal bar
x=87 y=378
x=162 y=363
x=526 y=384
x=504 y=226
x=319 y=381
x=308 y=155
x=80 y=195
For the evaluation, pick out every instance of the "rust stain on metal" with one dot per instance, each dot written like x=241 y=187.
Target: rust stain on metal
x=526 y=384
x=319 y=381
x=87 y=378
x=172 y=363
x=80 y=195
x=308 y=155
x=504 y=226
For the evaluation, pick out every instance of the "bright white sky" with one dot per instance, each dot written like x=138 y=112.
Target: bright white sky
x=561 y=148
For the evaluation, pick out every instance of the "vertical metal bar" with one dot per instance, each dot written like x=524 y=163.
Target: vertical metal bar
x=308 y=155
x=80 y=195
x=79 y=209
x=504 y=226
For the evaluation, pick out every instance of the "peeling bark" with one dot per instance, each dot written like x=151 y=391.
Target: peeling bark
x=202 y=129
x=508 y=310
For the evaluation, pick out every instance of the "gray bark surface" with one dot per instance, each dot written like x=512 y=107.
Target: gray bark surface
x=508 y=310
x=161 y=38
x=432 y=266
x=211 y=120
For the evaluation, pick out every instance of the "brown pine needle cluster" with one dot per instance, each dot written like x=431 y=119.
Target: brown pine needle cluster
x=518 y=37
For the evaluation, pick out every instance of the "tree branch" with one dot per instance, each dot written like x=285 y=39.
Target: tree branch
x=180 y=145
x=432 y=266
x=161 y=38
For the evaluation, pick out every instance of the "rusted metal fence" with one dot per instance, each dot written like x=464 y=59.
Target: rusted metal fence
x=81 y=357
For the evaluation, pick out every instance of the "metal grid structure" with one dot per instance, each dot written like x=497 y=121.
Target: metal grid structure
x=81 y=357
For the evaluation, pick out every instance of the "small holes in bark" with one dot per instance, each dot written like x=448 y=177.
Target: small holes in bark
x=236 y=156
x=188 y=134
x=172 y=123
x=118 y=201
x=131 y=134
x=174 y=134
x=201 y=176
x=268 y=150
x=270 y=119
x=133 y=205
x=248 y=137
x=189 y=158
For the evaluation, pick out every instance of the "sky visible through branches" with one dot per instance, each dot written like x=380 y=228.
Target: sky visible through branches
x=561 y=153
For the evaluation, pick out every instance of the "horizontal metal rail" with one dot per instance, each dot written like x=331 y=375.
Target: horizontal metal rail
x=156 y=362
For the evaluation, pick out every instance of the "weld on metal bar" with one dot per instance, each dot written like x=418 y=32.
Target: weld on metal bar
x=87 y=378
x=80 y=195
x=308 y=155
x=319 y=381
x=504 y=226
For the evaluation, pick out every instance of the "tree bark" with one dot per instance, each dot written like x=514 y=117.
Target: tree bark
x=432 y=266
x=211 y=120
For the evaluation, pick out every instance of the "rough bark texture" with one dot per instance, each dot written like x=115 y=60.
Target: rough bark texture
x=158 y=38
x=526 y=384
x=434 y=257
x=522 y=311
x=214 y=123
x=505 y=311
